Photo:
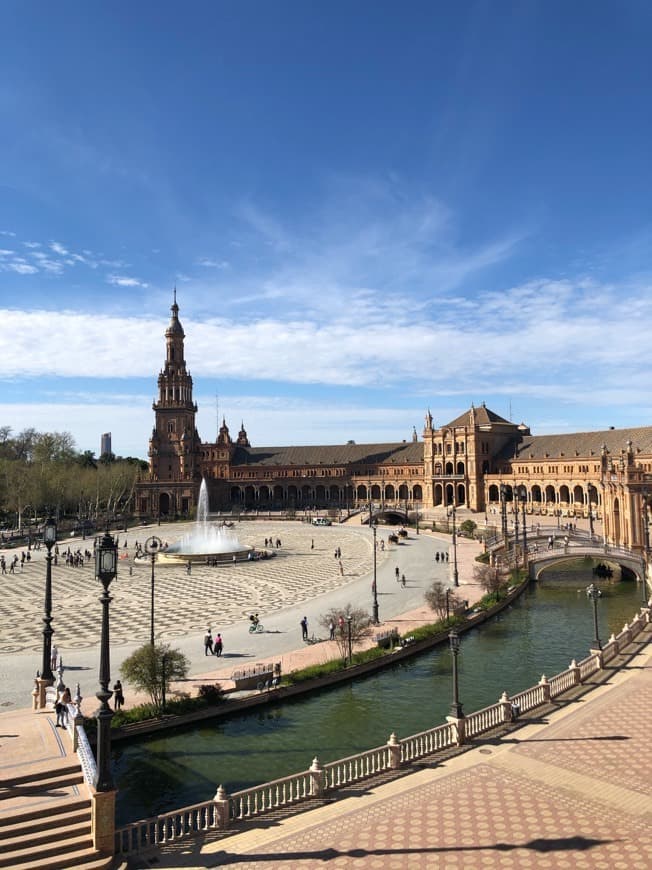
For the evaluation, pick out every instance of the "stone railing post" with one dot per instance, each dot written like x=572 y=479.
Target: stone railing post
x=103 y=821
x=612 y=640
x=506 y=707
x=575 y=670
x=394 y=745
x=221 y=804
x=460 y=729
x=35 y=695
x=628 y=634
x=645 y=613
x=545 y=685
x=599 y=658
x=316 y=772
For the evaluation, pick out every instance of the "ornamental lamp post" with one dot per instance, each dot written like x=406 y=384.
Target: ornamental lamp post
x=376 y=620
x=50 y=539
x=456 y=579
x=503 y=513
x=349 y=619
x=152 y=546
x=456 y=707
x=523 y=504
x=106 y=569
x=646 y=529
x=593 y=594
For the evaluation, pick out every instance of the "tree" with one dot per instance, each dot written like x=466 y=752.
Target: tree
x=361 y=626
x=468 y=527
x=146 y=666
x=440 y=599
x=488 y=577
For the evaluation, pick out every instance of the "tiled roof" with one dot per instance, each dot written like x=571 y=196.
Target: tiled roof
x=408 y=452
x=579 y=444
x=483 y=416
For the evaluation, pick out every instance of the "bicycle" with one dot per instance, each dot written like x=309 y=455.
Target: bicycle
x=256 y=626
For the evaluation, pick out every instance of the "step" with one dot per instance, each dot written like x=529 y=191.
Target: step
x=54 y=848
x=49 y=815
x=38 y=773
x=39 y=786
x=87 y=859
x=27 y=839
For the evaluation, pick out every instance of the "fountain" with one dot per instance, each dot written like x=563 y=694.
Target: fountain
x=206 y=541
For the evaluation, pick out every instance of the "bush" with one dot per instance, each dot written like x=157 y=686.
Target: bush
x=211 y=693
x=149 y=667
x=313 y=672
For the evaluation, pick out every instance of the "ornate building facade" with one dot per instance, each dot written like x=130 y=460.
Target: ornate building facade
x=477 y=461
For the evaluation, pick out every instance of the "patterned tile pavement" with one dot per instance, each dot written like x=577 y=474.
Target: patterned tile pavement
x=295 y=574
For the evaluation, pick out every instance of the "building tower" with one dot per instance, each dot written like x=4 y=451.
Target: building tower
x=173 y=447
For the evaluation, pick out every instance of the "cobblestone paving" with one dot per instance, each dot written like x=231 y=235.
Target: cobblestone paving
x=183 y=603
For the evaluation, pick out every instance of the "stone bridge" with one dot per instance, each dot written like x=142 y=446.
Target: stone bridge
x=541 y=559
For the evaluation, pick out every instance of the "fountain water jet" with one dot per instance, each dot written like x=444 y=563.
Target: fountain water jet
x=206 y=541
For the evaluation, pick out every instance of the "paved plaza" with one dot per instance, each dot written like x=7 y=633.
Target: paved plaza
x=302 y=578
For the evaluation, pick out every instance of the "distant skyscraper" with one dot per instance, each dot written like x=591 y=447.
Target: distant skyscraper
x=105 y=446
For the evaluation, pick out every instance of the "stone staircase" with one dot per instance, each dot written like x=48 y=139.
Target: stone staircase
x=45 y=820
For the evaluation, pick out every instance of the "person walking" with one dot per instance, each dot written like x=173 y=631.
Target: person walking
x=331 y=630
x=118 y=695
x=208 y=642
x=219 y=645
x=304 y=628
x=397 y=573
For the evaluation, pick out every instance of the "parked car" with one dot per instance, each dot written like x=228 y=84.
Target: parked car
x=321 y=521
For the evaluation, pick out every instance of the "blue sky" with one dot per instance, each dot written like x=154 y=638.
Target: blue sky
x=368 y=209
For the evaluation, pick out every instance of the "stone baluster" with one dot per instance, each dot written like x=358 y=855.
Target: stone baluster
x=221 y=802
x=316 y=772
x=545 y=685
x=616 y=645
x=575 y=669
x=36 y=692
x=394 y=745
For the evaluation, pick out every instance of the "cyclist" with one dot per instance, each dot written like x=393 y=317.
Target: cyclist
x=253 y=619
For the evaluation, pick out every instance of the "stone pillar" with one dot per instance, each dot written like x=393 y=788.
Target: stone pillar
x=221 y=803
x=394 y=745
x=612 y=640
x=103 y=821
x=597 y=654
x=577 y=679
x=545 y=685
x=460 y=729
x=645 y=612
x=506 y=707
x=316 y=772
x=42 y=685
x=628 y=634
x=35 y=695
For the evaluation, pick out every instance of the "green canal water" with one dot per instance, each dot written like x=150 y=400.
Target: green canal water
x=550 y=624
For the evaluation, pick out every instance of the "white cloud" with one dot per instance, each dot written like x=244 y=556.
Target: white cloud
x=214 y=264
x=58 y=248
x=7 y=233
x=18 y=267
x=125 y=281
x=32 y=244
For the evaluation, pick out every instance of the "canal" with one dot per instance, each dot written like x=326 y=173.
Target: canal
x=550 y=624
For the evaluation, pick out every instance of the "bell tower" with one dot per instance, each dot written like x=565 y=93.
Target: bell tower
x=173 y=447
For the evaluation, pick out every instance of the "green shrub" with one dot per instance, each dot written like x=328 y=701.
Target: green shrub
x=313 y=672
x=484 y=558
x=211 y=693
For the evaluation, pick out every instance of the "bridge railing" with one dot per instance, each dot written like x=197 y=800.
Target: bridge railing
x=318 y=781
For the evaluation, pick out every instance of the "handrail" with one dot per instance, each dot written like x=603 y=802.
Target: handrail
x=86 y=757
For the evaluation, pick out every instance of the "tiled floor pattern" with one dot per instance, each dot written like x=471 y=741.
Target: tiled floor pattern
x=183 y=603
